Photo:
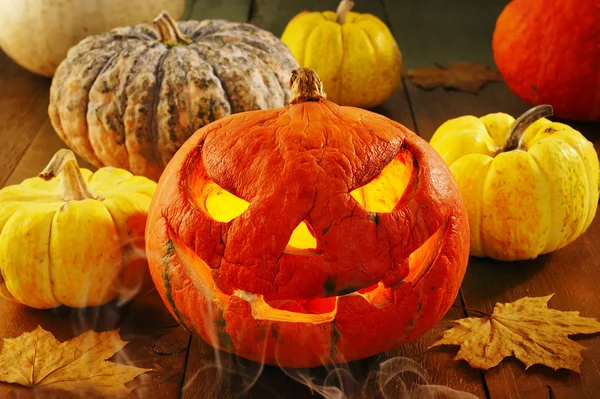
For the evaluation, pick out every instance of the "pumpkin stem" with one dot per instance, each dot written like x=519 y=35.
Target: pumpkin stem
x=306 y=86
x=342 y=11
x=169 y=32
x=522 y=123
x=72 y=184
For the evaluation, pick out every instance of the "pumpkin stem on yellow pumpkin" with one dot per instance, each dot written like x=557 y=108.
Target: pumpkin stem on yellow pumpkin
x=73 y=184
x=522 y=123
x=169 y=33
x=342 y=11
x=306 y=85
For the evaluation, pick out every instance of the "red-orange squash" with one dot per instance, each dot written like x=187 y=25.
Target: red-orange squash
x=307 y=235
x=548 y=52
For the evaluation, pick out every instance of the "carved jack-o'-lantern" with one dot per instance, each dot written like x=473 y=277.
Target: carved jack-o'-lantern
x=307 y=235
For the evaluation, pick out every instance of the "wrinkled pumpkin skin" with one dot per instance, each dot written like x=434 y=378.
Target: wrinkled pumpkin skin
x=353 y=296
x=128 y=100
x=359 y=62
x=74 y=253
x=548 y=52
x=525 y=202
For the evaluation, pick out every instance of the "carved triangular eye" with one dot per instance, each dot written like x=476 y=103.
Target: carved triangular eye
x=220 y=204
x=383 y=193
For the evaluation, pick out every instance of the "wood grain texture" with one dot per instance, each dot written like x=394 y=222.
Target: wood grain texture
x=231 y=10
x=39 y=153
x=23 y=110
x=573 y=275
x=430 y=31
x=156 y=341
x=461 y=33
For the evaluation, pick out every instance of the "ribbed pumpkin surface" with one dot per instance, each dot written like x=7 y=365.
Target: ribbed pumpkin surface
x=127 y=99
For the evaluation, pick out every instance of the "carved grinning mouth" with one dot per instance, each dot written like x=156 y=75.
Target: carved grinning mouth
x=315 y=311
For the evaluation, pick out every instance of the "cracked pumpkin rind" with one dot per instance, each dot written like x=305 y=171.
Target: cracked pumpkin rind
x=294 y=164
x=127 y=99
x=549 y=53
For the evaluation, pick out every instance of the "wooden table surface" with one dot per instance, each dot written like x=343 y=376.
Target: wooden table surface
x=428 y=32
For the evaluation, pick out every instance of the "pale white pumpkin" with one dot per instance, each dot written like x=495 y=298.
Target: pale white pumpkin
x=37 y=34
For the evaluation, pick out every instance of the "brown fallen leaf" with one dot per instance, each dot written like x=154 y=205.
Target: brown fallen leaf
x=526 y=329
x=37 y=359
x=463 y=76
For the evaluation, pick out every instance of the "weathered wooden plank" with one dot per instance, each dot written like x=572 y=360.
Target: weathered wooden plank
x=432 y=108
x=39 y=153
x=573 y=275
x=430 y=31
x=463 y=33
x=23 y=110
x=156 y=341
x=232 y=10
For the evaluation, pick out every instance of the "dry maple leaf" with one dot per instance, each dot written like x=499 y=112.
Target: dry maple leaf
x=37 y=359
x=462 y=76
x=526 y=329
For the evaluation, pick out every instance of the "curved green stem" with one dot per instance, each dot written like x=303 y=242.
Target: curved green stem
x=522 y=123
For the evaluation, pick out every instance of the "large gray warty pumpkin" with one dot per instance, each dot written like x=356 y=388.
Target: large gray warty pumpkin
x=130 y=97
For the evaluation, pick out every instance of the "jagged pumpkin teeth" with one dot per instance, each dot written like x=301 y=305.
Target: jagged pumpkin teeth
x=308 y=234
x=263 y=311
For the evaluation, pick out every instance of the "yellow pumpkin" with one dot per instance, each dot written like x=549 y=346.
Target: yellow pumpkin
x=530 y=185
x=75 y=240
x=355 y=55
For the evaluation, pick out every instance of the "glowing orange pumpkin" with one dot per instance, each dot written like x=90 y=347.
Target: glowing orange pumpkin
x=307 y=235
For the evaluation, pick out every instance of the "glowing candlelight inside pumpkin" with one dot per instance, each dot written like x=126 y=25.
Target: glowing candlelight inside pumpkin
x=309 y=234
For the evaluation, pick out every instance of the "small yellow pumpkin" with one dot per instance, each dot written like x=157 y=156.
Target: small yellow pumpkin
x=74 y=240
x=530 y=185
x=355 y=55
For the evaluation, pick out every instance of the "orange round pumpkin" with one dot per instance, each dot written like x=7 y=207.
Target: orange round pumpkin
x=307 y=235
x=548 y=52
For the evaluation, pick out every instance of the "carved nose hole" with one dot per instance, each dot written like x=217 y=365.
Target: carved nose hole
x=302 y=241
